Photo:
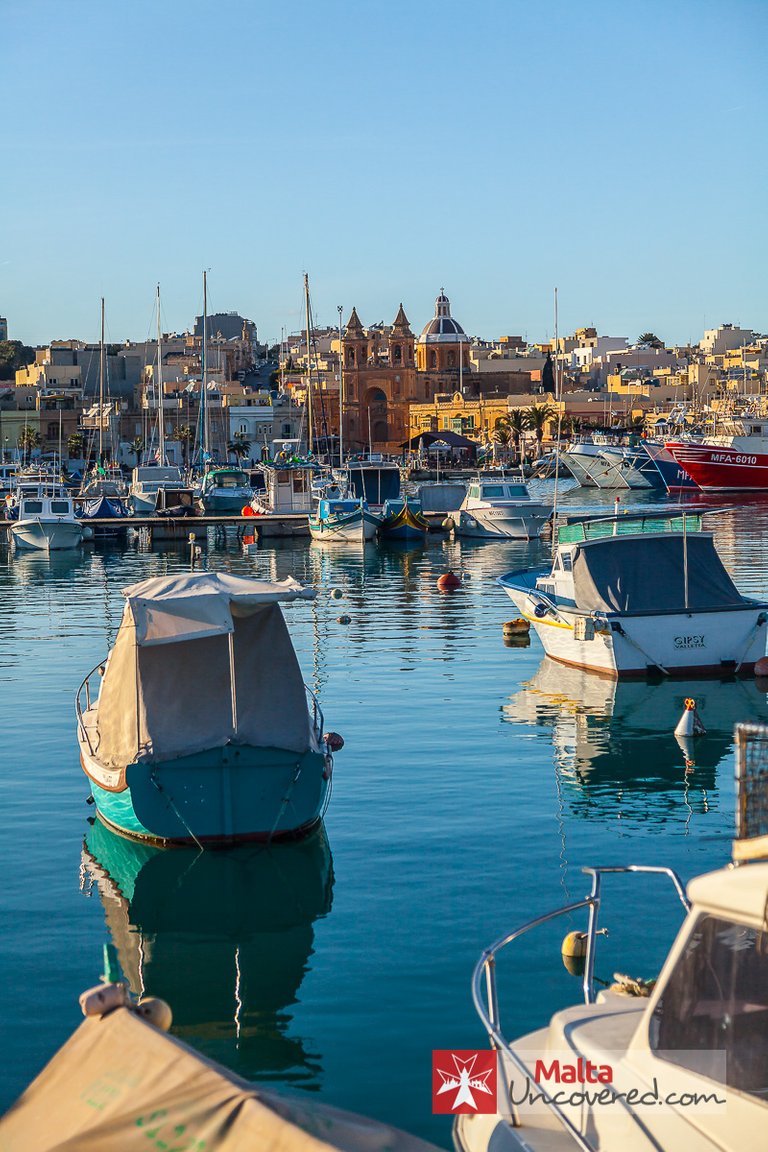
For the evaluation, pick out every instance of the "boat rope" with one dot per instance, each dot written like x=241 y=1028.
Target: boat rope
x=169 y=800
x=616 y=627
x=762 y=619
x=285 y=801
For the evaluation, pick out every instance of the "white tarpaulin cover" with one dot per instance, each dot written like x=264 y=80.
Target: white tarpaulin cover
x=120 y=1085
x=167 y=689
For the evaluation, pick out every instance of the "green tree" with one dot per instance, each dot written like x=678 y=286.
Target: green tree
x=518 y=423
x=75 y=445
x=650 y=340
x=14 y=355
x=183 y=435
x=537 y=418
x=239 y=446
x=137 y=447
x=29 y=439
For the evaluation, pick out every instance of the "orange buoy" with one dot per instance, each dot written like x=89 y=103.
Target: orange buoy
x=761 y=667
x=448 y=582
x=247 y=511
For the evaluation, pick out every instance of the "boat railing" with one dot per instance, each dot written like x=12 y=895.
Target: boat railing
x=315 y=710
x=627 y=524
x=487 y=1006
x=83 y=694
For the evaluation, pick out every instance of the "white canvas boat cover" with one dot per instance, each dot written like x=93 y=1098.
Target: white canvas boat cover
x=167 y=688
x=647 y=574
x=120 y=1085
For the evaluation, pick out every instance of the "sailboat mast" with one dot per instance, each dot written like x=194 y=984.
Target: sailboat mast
x=310 y=441
x=341 y=396
x=101 y=386
x=204 y=392
x=160 y=412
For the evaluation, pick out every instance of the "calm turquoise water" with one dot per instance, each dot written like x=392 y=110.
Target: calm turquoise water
x=475 y=782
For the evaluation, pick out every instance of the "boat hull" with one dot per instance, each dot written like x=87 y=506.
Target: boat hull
x=222 y=796
x=405 y=524
x=712 y=643
x=721 y=469
x=520 y=522
x=46 y=535
x=357 y=528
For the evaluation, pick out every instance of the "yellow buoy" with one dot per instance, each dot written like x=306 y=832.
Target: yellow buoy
x=517 y=627
x=574 y=944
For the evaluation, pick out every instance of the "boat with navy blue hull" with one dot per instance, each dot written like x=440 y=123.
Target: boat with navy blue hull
x=202 y=730
x=403 y=521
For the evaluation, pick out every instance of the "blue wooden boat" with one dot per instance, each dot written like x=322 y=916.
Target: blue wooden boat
x=201 y=731
x=344 y=521
x=403 y=521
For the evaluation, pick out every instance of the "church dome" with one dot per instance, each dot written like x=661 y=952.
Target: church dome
x=442 y=328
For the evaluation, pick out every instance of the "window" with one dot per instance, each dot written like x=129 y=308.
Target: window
x=493 y=491
x=567 y=561
x=32 y=507
x=715 y=1002
x=398 y=354
x=59 y=507
x=433 y=359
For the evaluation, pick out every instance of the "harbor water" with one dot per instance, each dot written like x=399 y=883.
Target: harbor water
x=475 y=781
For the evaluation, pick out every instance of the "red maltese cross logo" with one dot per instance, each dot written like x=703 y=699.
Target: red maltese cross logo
x=463 y=1081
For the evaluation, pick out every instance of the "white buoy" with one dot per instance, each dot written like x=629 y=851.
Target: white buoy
x=690 y=722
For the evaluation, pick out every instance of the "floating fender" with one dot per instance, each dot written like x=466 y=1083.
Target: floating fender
x=103 y=998
x=247 y=511
x=448 y=582
x=87 y=532
x=449 y=524
x=334 y=741
x=336 y=593
x=156 y=1012
x=517 y=627
x=574 y=944
x=344 y=620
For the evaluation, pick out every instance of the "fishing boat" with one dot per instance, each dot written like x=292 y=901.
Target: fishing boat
x=225 y=491
x=343 y=522
x=288 y=488
x=644 y=593
x=147 y=480
x=178 y=515
x=402 y=520
x=646 y=1066
x=609 y=459
x=44 y=519
x=500 y=509
x=734 y=459
x=200 y=731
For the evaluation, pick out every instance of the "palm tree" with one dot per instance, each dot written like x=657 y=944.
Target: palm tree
x=29 y=438
x=75 y=446
x=537 y=417
x=183 y=435
x=239 y=446
x=518 y=423
x=501 y=434
x=650 y=340
x=137 y=447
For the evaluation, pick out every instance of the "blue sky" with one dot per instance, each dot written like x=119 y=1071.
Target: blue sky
x=498 y=149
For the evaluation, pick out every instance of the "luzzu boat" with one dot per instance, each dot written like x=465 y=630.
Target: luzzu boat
x=643 y=593
x=201 y=731
x=344 y=521
x=402 y=520
x=647 y=1066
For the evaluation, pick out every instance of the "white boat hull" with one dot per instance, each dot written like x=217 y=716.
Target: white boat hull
x=46 y=535
x=523 y=521
x=696 y=643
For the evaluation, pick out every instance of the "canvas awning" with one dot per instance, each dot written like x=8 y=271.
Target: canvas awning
x=189 y=606
x=121 y=1085
x=168 y=688
x=647 y=574
x=450 y=439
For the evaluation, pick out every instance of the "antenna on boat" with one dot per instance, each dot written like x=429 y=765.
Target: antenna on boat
x=558 y=401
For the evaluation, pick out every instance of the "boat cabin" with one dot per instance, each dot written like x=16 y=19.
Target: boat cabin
x=374 y=481
x=328 y=508
x=497 y=490
x=224 y=479
x=44 y=506
x=288 y=488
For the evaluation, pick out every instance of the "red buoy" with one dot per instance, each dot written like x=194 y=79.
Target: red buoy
x=448 y=582
x=247 y=511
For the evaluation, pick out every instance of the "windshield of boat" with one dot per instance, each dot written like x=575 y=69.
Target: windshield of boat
x=716 y=1002
x=230 y=479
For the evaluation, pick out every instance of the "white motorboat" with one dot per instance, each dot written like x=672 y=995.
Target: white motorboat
x=607 y=460
x=44 y=519
x=500 y=508
x=656 y=1066
x=146 y=482
x=644 y=593
x=288 y=489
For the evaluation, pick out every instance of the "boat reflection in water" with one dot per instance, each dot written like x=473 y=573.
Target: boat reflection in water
x=618 y=736
x=224 y=936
